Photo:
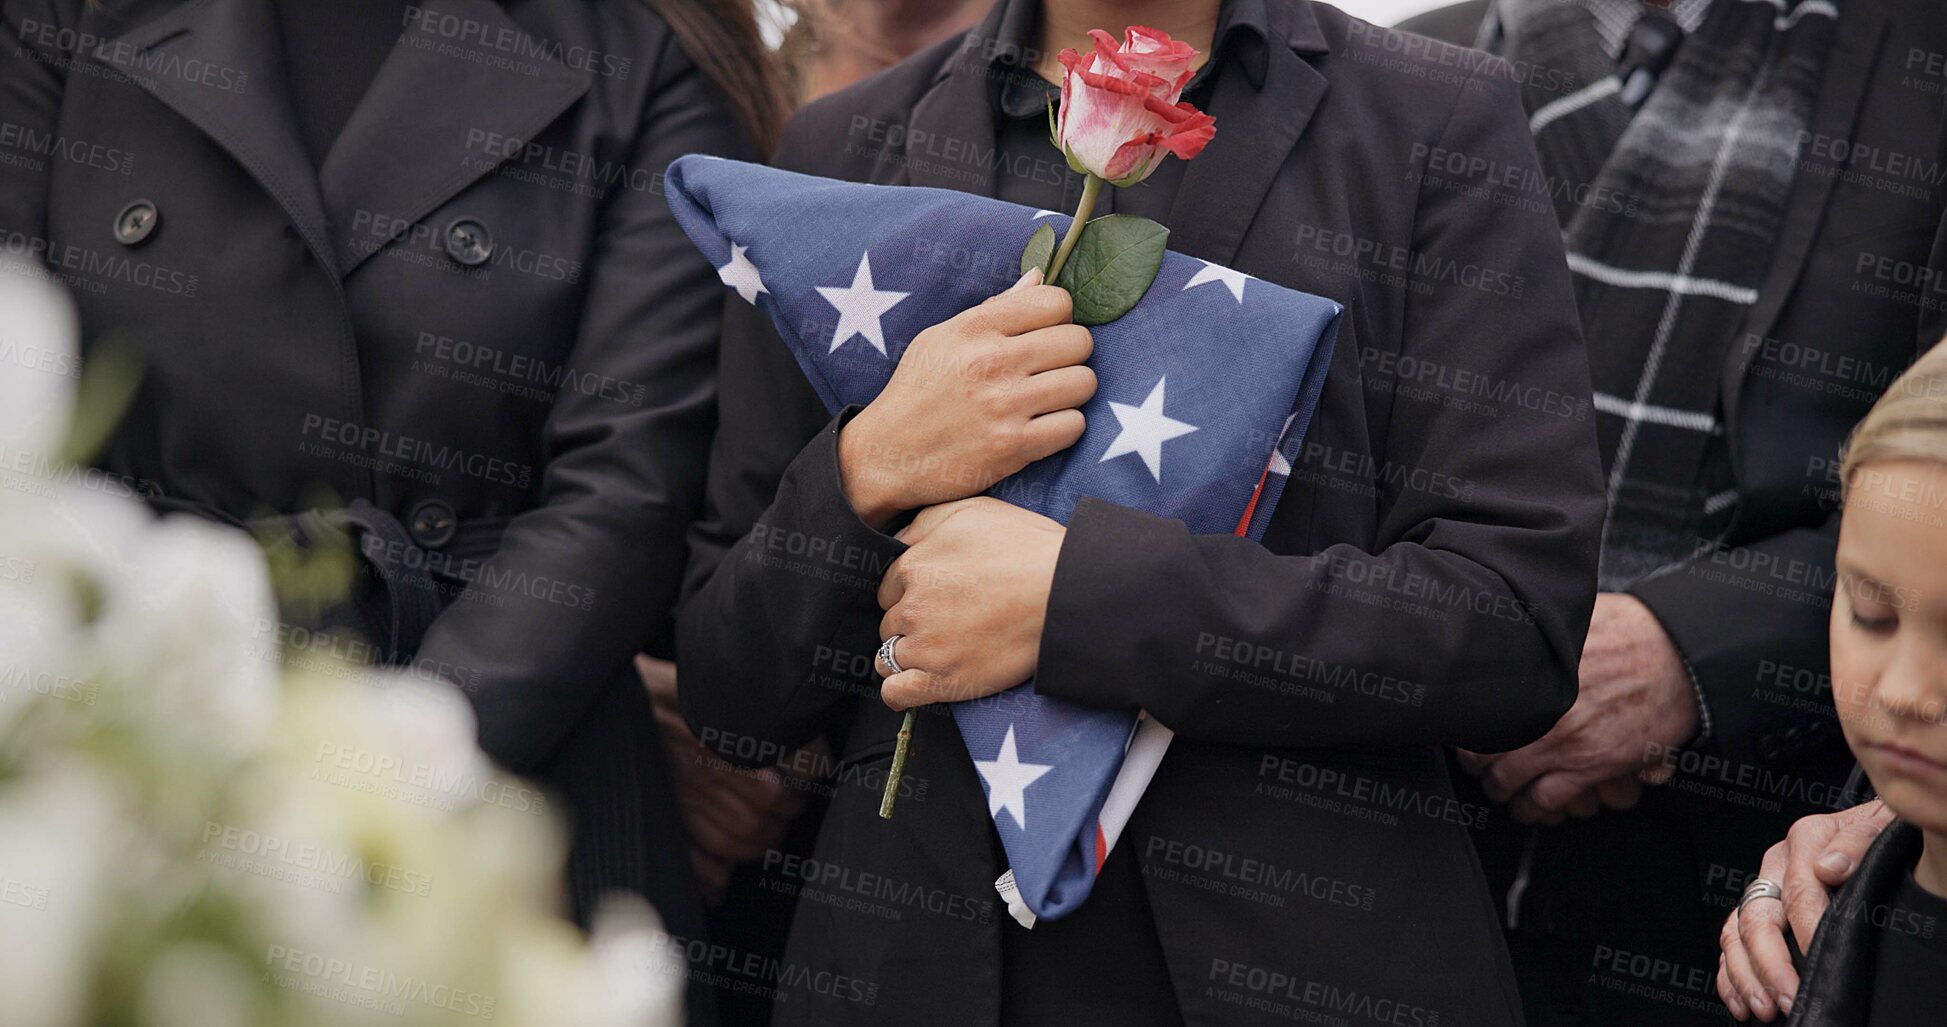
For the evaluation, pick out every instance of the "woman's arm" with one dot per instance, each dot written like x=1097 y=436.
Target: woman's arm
x=776 y=632
x=622 y=481
x=780 y=618
x=1462 y=624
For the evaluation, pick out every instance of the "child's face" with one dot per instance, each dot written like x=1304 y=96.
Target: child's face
x=1889 y=634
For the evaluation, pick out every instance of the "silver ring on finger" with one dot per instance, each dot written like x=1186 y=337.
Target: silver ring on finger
x=1761 y=888
x=886 y=656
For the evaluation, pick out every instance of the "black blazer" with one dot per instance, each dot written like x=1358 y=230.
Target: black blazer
x=478 y=313
x=1425 y=583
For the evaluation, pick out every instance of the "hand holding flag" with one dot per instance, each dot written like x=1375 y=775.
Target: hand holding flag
x=1204 y=388
x=1121 y=113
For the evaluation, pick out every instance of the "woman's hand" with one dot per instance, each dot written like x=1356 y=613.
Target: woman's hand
x=969 y=598
x=1754 y=973
x=974 y=399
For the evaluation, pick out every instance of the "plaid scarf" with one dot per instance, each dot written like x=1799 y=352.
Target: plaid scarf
x=1669 y=217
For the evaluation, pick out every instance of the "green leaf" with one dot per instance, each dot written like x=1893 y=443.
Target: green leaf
x=1112 y=265
x=1041 y=250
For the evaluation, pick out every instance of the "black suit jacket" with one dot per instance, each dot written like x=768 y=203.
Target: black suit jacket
x=479 y=309
x=1853 y=293
x=1833 y=326
x=1841 y=313
x=1425 y=583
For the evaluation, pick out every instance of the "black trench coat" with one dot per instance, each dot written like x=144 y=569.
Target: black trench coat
x=477 y=322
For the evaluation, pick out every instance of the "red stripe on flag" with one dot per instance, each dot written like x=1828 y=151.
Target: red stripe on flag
x=1101 y=848
x=1244 y=525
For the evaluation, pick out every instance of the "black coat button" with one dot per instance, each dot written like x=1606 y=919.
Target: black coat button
x=432 y=524
x=469 y=242
x=135 y=222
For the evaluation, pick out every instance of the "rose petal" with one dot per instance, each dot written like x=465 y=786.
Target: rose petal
x=1120 y=105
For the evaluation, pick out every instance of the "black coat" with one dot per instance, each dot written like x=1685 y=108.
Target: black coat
x=1856 y=289
x=1425 y=583
x=476 y=319
x=1836 y=978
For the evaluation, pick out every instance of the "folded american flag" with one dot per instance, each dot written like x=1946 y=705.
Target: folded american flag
x=1204 y=391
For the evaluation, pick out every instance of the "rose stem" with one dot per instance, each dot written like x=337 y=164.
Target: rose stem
x=898 y=764
x=1090 y=190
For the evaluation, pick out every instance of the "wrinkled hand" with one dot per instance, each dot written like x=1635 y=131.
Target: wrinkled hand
x=1635 y=694
x=969 y=597
x=733 y=815
x=1754 y=971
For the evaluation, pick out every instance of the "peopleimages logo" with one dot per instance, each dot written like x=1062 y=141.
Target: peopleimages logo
x=139 y=64
x=515 y=43
x=1319 y=995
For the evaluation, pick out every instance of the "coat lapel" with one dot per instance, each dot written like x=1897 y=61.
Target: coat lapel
x=406 y=148
x=958 y=107
x=1224 y=186
x=219 y=64
x=1847 y=69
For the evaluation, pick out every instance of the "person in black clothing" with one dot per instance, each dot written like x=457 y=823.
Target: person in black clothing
x=1430 y=566
x=1879 y=958
x=403 y=271
x=1740 y=377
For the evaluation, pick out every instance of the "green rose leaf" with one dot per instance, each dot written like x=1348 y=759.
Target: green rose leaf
x=1040 y=251
x=1111 y=266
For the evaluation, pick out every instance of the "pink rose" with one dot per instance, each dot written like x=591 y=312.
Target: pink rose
x=1120 y=109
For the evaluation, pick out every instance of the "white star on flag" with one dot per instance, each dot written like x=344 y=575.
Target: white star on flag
x=1279 y=465
x=1039 y=214
x=740 y=274
x=1145 y=429
x=860 y=306
x=1008 y=780
x=1233 y=280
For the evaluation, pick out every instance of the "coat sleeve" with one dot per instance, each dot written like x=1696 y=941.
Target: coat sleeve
x=780 y=617
x=1462 y=623
x=621 y=482
x=1750 y=622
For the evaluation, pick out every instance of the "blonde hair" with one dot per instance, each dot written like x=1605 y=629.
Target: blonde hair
x=1909 y=422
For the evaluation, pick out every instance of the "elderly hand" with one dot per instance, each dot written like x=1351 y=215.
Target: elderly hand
x=1635 y=695
x=1754 y=973
x=968 y=600
x=732 y=815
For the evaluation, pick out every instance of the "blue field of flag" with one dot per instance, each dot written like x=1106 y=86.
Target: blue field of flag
x=1204 y=392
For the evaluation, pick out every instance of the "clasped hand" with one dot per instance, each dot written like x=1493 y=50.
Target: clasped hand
x=973 y=400
x=1635 y=702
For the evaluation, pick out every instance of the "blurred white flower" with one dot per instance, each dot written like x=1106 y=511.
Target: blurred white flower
x=635 y=979
x=190 y=835
x=190 y=619
x=199 y=984
x=59 y=835
x=59 y=555
x=639 y=974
